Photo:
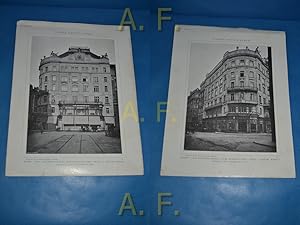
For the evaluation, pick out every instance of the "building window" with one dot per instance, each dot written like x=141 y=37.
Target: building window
x=251 y=84
x=232 y=84
x=46 y=78
x=104 y=69
x=242 y=83
x=242 y=96
x=74 y=79
x=265 y=102
x=264 y=90
x=259 y=87
x=258 y=76
x=224 y=98
x=54 y=77
x=86 y=98
x=64 y=79
x=53 y=87
x=96 y=88
x=53 y=109
x=64 y=88
x=96 y=99
x=45 y=98
x=105 y=79
x=96 y=69
x=107 y=110
x=74 y=88
x=251 y=63
x=46 y=69
x=46 y=88
x=105 y=89
x=263 y=80
x=242 y=62
x=242 y=73
x=84 y=79
x=251 y=74
x=232 y=75
x=106 y=100
x=251 y=97
x=258 y=66
x=232 y=63
x=260 y=111
x=75 y=99
x=260 y=100
x=232 y=97
x=85 y=88
x=95 y=79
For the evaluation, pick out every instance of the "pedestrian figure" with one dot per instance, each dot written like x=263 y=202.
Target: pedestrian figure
x=41 y=128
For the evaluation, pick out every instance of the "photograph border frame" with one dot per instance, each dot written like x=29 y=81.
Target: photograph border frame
x=226 y=164
x=130 y=162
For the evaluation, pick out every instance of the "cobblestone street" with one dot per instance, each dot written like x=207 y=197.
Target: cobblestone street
x=60 y=142
x=240 y=142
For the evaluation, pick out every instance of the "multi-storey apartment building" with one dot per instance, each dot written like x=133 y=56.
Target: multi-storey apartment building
x=194 y=116
x=79 y=83
x=39 y=109
x=236 y=93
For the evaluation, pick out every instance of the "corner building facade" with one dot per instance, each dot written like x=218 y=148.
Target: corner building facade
x=79 y=83
x=236 y=94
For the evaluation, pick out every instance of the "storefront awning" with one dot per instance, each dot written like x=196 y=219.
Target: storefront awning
x=109 y=120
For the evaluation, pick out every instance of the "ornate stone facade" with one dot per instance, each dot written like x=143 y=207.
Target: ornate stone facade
x=80 y=89
x=236 y=94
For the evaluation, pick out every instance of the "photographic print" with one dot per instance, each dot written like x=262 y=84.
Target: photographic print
x=230 y=103
x=228 y=112
x=72 y=86
x=73 y=97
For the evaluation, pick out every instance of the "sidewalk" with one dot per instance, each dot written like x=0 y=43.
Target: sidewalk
x=266 y=143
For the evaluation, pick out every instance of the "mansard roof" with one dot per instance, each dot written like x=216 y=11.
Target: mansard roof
x=84 y=50
x=75 y=50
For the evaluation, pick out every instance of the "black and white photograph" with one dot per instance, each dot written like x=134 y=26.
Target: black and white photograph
x=73 y=99
x=230 y=103
x=228 y=112
x=71 y=86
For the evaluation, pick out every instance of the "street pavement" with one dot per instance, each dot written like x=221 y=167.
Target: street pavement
x=62 y=142
x=240 y=142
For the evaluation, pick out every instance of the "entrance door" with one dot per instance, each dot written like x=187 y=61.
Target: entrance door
x=242 y=126
x=253 y=128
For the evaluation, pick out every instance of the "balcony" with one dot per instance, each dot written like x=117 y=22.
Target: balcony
x=71 y=102
x=214 y=106
x=241 y=88
x=239 y=101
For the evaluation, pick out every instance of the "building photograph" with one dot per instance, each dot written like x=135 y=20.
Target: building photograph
x=73 y=97
x=230 y=103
